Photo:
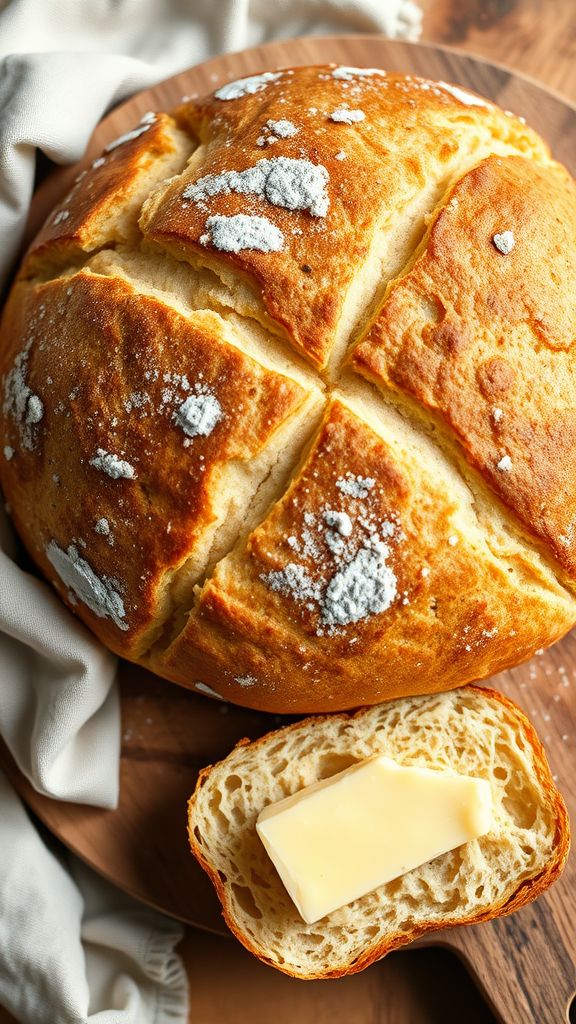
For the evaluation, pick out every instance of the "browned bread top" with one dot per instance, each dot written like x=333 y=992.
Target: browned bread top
x=375 y=143
x=128 y=484
x=270 y=617
x=104 y=203
x=485 y=339
x=241 y=312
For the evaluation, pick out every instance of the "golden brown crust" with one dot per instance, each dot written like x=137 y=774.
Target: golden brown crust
x=458 y=612
x=409 y=128
x=485 y=339
x=93 y=214
x=140 y=361
x=249 y=642
x=526 y=892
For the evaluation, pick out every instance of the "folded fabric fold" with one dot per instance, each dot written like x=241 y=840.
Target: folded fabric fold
x=59 y=713
x=74 y=950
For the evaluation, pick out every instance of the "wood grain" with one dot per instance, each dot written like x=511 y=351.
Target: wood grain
x=416 y=987
x=228 y=986
x=537 y=37
x=525 y=964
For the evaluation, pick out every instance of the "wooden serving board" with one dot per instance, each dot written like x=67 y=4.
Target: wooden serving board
x=524 y=965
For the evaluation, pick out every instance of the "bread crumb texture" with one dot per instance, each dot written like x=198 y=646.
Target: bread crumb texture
x=305 y=346
x=471 y=731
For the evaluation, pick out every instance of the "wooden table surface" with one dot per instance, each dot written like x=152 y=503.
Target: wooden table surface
x=537 y=37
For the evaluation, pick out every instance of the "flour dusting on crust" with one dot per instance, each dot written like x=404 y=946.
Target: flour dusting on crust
x=355 y=486
x=345 y=116
x=198 y=415
x=349 y=578
x=20 y=403
x=346 y=74
x=111 y=464
x=246 y=86
x=365 y=586
x=282 y=181
x=463 y=96
x=233 y=234
x=282 y=129
x=144 y=125
x=100 y=595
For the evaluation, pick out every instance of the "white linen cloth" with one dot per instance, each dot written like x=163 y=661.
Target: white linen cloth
x=73 y=949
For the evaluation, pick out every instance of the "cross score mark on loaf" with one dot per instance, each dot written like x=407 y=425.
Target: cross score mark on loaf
x=258 y=334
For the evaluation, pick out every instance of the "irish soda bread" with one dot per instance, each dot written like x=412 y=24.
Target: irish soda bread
x=288 y=391
x=471 y=731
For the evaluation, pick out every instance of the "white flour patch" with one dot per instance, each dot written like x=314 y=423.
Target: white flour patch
x=233 y=234
x=497 y=414
x=61 y=217
x=245 y=680
x=137 y=400
x=98 y=594
x=465 y=97
x=247 y=86
x=8 y=452
x=274 y=130
x=345 y=116
x=505 y=464
x=340 y=521
x=115 y=467
x=102 y=527
x=355 y=486
x=282 y=129
x=282 y=181
x=203 y=688
x=293 y=581
x=198 y=415
x=144 y=125
x=349 y=578
x=346 y=74
x=341 y=155
x=504 y=242
x=366 y=586
x=341 y=527
x=20 y=403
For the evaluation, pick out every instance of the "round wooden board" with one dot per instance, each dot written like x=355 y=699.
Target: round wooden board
x=524 y=964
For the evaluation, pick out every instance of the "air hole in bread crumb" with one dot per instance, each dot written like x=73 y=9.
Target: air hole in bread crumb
x=215 y=802
x=246 y=901
x=233 y=782
x=311 y=940
x=198 y=835
x=222 y=876
x=258 y=880
x=276 y=749
x=280 y=767
x=500 y=773
x=331 y=764
x=522 y=814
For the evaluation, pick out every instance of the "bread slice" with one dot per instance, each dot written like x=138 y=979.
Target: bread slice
x=472 y=730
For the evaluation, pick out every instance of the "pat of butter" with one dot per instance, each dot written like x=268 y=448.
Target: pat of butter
x=340 y=838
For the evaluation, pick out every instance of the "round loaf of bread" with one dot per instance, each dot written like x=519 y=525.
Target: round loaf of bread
x=288 y=389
